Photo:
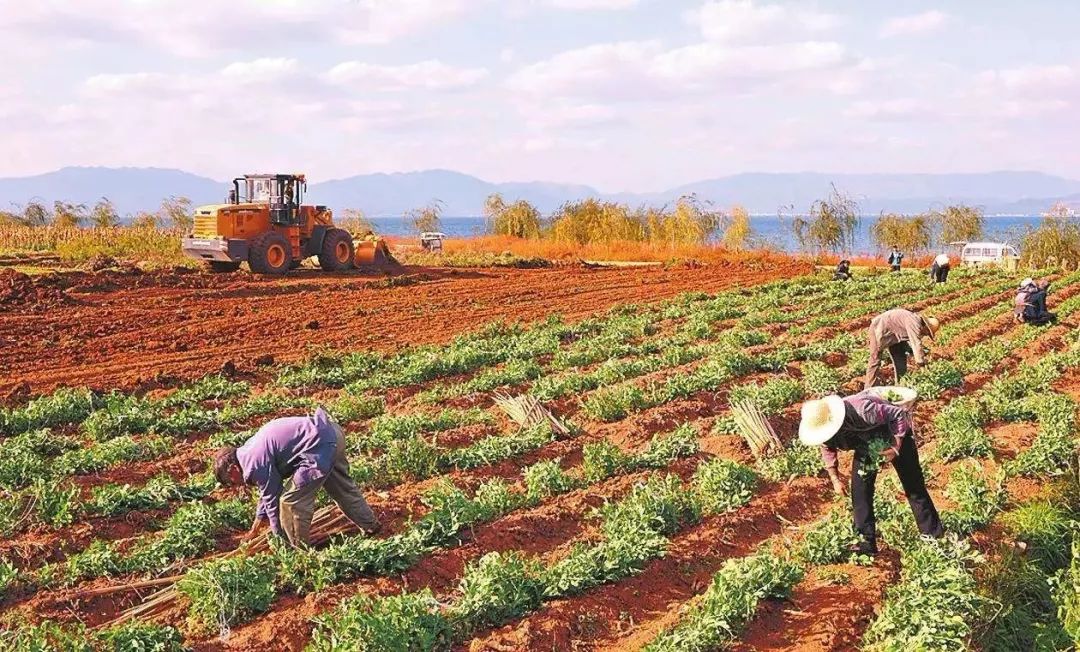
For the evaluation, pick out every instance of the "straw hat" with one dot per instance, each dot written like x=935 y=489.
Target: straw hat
x=1026 y=282
x=932 y=323
x=821 y=419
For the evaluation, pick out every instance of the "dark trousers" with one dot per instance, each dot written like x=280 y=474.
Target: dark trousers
x=940 y=274
x=896 y=267
x=899 y=353
x=911 y=477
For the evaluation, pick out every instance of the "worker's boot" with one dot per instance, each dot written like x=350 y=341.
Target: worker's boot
x=863 y=548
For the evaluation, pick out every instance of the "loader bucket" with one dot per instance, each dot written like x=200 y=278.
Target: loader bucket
x=373 y=253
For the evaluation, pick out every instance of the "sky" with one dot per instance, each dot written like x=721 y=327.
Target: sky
x=623 y=95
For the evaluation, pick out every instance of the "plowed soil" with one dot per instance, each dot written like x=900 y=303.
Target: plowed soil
x=111 y=330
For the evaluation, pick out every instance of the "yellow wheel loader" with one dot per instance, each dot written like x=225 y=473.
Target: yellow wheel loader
x=266 y=224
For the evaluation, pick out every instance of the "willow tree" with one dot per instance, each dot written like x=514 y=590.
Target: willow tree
x=831 y=224
x=959 y=223
x=428 y=218
x=690 y=222
x=69 y=215
x=1055 y=242
x=911 y=234
x=738 y=233
x=104 y=214
x=594 y=221
x=520 y=219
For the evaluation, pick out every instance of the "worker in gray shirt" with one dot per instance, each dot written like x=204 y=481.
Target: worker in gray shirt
x=900 y=332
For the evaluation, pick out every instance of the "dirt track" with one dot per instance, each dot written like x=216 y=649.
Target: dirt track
x=121 y=331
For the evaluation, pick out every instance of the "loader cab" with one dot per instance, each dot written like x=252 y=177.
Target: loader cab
x=284 y=193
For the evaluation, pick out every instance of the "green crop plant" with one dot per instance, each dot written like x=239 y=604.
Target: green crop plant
x=1054 y=448
x=614 y=403
x=134 y=636
x=603 y=459
x=514 y=372
x=933 y=605
x=223 y=592
x=794 y=461
x=666 y=448
x=214 y=387
x=496 y=588
x=717 y=618
x=62 y=407
x=660 y=504
x=120 y=415
x=157 y=493
x=29 y=456
x=409 y=622
x=546 y=479
x=54 y=505
x=392 y=427
x=610 y=560
x=959 y=427
x=827 y=540
x=770 y=397
x=51 y=636
x=495 y=449
x=100 y=456
x=977 y=498
x=820 y=379
x=350 y=409
x=722 y=485
x=933 y=378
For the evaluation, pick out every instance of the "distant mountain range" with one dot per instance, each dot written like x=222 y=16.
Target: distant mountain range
x=388 y=195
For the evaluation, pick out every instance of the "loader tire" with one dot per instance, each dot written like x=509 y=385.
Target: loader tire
x=270 y=253
x=221 y=266
x=337 y=254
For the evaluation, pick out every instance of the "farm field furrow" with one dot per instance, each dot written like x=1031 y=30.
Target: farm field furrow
x=643 y=520
x=123 y=332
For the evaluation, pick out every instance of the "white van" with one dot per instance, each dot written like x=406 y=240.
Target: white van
x=979 y=254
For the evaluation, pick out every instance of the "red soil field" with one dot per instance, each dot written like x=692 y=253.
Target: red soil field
x=111 y=330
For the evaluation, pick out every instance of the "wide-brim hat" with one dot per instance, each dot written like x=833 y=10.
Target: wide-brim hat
x=821 y=419
x=932 y=324
x=1026 y=282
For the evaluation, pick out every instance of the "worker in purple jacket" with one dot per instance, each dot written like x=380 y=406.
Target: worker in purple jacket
x=289 y=460
x=851 y=423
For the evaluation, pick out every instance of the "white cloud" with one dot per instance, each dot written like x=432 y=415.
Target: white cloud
x=1030 y=80
x=926 y=22
x=428 y=75
x=592 y=4
x=644 y=70
x=199 y=28
x=746 y=20
x=897 y=109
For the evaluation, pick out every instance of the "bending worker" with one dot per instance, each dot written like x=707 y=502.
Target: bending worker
x=289 y=460
x=899 y=331
x=851 y=423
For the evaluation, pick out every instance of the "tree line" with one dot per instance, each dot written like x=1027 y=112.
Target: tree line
x=174 y=212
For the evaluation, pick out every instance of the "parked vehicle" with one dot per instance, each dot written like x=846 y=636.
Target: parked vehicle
x=978 y=254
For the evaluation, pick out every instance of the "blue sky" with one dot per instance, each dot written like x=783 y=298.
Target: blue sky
x=632 y=95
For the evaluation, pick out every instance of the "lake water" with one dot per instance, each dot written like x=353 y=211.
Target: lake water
x=773 y=229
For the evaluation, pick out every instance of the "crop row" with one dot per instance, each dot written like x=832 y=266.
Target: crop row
x=450 y=511
x=936 y=604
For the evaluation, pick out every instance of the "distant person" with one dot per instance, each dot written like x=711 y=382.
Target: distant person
x=1029 y=306
x=289 y=460
x=939 y=271
x=232 y=196
x=843 y=271
x=899 y=332
x=895 y=258
x=289 y=192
